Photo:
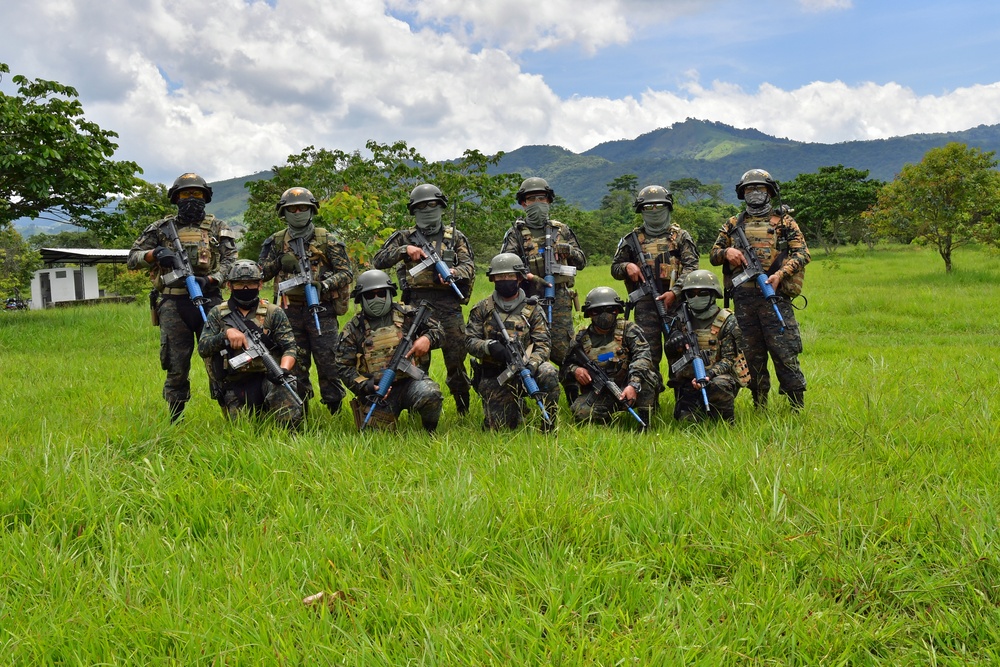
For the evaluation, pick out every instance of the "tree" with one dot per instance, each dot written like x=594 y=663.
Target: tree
x=949 y=199
x=144 y=205
x=52 y=160
x=82 y=239
x=829 y=204
x=18 y=261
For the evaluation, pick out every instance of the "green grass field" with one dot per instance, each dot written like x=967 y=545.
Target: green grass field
x=863 y=531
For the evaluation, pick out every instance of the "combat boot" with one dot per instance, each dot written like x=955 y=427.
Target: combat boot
x=176 y=408
x=462 y=403
x=430 y=426
x=334 y=406
x=759 y=401
x=797 y=400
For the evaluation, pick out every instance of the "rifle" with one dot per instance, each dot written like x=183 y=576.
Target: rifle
x=518 y=359
x=601 y=380
x=184 y=273
x=754 y=270
x=303 y=277
x=552 y=269
x=692 y=354
x=433 y=259
x=648 y=285
x=257 y=349
x=399 y=363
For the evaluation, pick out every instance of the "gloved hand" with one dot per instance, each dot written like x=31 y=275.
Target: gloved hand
x=165 y=257
x=203 y=282
x=532 y=368
x=676 y=343
x=498 y=351
x=562 y=249
x=289 y=263
x=369 y=386
x=286 y=376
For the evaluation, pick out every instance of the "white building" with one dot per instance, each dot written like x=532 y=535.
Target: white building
x=55 y=284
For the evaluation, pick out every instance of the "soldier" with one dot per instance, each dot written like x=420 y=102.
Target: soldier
x=528 y=239
x=781 y=248
x=211 y=250
x=720 y=344
x=523 y=319
x=369 y=341
x=671 y=254
x=619 y=348
x=248 y=387
x=426 y=205
x=329 y=272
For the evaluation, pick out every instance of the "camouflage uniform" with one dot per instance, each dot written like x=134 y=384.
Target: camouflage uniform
x=247 y=389
x=631 y=363
x=331 y=269
x=211 y=249
x=672 y=256
x=502 y=404
x=455 y=251
x=779 y=244
x=364 y=352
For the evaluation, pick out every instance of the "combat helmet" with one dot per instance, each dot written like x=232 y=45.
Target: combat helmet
x=534 y=184
x=757 y=177
x=506 y=262
x=602 y=297
x=425 y=192
x=296 y=197
x=701 y=279
x=653 y=194
x=245 y=270
x=189 y=180
x=372 y=280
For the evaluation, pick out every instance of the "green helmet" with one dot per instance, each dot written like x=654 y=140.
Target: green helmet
x=245 y=270
x=757 y=177
x=601 y=297
x=295 y=197
x=425 y=192
x=506 y=262
x=534 y=184
x=653 y=194
x=701 y=279
x=189 y=180
x=370 y=281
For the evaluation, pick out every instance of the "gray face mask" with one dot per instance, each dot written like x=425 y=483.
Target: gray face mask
x=537 y=214
x=758 y=203
x=298 y=220
x=656 y=222
x=376 y=306
x=604 y=321
x=700 y=304
x=428 y=220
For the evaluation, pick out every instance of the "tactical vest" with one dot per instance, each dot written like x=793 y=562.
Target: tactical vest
x=536 y=259
x=518 y=325
x=662 y=250
x=255 y=365
x=708 y=343
x=769 y=239
x=611 y=357
x=380 y=344
x=428 y=278
x=200 y=247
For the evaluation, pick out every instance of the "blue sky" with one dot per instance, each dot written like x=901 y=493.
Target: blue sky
x=234 y=88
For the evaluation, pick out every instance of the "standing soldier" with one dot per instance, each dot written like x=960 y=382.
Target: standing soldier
x=315 y=259
x=781 y=250
x=367 y=346
x=531 y=239
x=411 y=250
x=209 y=250
x=669 y=253
x=525 y=324
x=617 y=347
x=251 y=386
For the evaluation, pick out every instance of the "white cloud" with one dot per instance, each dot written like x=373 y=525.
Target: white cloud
x=825 y=5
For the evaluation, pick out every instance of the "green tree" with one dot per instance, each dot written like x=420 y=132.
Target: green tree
x=82 y=239
x=52 y=160
x=18 y=261
x=700 y=210
x=949 y=199
x=144 y=205
x=829 y=204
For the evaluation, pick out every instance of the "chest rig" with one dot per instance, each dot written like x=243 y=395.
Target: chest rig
x=518 y=324
x=259 y=317
x=533 y=249
x=315 y=251
x=198 y=244
x=380 y=343
x=427 y=279
x=611 y=357
x=662 y=255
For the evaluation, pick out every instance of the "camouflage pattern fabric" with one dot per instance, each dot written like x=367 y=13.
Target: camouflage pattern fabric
x=180 y=327
x=720 y=364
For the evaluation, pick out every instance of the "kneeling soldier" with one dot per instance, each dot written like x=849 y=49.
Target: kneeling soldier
x=616 y=349
x=368 y=345
x=239 y=338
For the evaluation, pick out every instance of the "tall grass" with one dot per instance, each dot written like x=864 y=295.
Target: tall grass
x=861 y=532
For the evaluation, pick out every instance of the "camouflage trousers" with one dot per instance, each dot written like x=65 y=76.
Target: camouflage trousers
x=180 y=328
x=448 y=311
x=762 y=336
x=502 y=404
x=601 y=408
x=422 y=397
x=690 y=404
x=652 y=328
x=319 y=348
x=245 y=394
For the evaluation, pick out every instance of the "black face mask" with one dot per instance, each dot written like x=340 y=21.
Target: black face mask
x=506 y=288
x=604 y=321
x=191 y=210
x=244 y=298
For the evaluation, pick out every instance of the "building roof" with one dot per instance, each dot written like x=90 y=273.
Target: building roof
x=83 y=256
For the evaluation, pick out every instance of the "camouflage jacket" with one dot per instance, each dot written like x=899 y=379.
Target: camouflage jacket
x=783 y=252
x=451 y=244
x=266 y=316
x=212 y=255
x=526 y=323
x=680 y=256
x=720 y=342
x=632 y=360
x=527 y=243
x=331 y=267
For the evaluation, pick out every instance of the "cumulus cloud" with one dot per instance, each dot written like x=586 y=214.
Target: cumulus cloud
x=825 y=5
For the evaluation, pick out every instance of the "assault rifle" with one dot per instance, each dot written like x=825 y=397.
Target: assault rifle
x=399 y=363
x=257 y=349
x=182 y=270
x=516 y=365
x=754 y=270
x=601 y=380
x=552 y=268
x=647 y=287
x=692 y=354
x=304 y=278
x=433 y=259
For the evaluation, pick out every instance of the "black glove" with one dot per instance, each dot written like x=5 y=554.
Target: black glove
x=165 y=257
x=285 y=376
x=369 y=386
x=498 y=351
x=202 y=281
x=289 y=263
x=676 y=343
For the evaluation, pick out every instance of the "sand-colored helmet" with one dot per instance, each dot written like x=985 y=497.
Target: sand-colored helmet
x=653 y=194
x=534 y=184
x=701 y=279
x=757 y=177
x=189 y=180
